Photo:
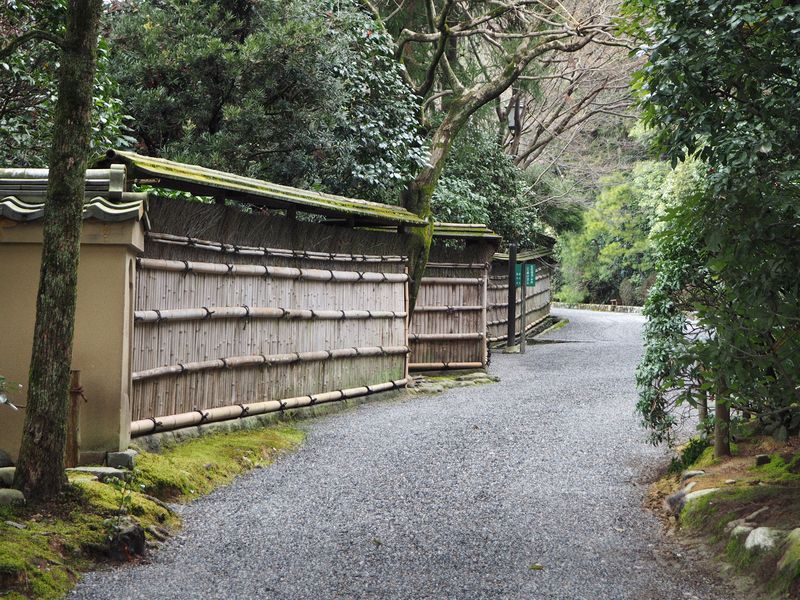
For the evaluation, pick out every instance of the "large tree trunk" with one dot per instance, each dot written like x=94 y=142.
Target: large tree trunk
x=417 y=196
x=40 y=469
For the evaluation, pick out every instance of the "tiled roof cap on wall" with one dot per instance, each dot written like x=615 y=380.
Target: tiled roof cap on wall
x=132 y=207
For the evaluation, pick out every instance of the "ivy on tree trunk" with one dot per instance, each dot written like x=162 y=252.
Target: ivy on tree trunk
x=40 y=469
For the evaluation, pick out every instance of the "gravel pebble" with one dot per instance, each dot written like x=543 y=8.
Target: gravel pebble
x=528 y=489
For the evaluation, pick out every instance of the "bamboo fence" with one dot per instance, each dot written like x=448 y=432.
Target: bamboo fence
x=448 y=329
x=537 y=302
x=226 y=329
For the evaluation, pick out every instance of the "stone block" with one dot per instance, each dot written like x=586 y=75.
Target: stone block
x=9 y=497
x=7 y=476
x=122 y=460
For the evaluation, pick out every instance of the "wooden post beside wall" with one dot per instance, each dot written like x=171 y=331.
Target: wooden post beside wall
x=512 y=294
x=72 y=455
x=523 y=310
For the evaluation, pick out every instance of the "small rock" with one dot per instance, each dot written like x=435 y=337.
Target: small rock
x=763 y=538
x=700 y=493
x=10 y=497
x=15 y=525
x=122 y=460
x=762 y=459
x=730 y=525
x=689 y=474
x=7 y=476
x=754 y=516
x=471 y=376
x=675 y=501
x=429 y=388
x=157 y=533
x=5 y=459
x=730 y=481
x=690 y=487
x=741 y=530
x=127 y=541
x=102 y=473
x=688 y=497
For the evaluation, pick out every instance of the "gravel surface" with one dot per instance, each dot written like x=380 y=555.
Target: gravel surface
x=450 y=496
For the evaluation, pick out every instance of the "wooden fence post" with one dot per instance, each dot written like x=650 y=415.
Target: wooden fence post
x=512 y=294
x=73 y=420
x=523 y=310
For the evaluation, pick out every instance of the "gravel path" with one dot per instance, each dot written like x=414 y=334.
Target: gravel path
x=452 y=496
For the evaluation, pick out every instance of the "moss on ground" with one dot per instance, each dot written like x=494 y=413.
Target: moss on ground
x=197 y=466
x=780 y=469
x=746 y=488
x=61 y=539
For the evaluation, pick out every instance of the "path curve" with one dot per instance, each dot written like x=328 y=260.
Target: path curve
x=451 y=496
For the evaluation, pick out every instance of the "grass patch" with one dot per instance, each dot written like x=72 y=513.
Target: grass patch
x=68 y=536
x=780 y=469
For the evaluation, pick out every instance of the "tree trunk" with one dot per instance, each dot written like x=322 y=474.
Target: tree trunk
x=722 y=426
x=702 y=408
x=417 y=197
x=40 y=469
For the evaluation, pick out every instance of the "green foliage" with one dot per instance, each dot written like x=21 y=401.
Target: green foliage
x=481 y=184
x=690 y=453
x=304 y=92
x=722 y=80
x=722 y=83
x=28 y=89
x=611 y=257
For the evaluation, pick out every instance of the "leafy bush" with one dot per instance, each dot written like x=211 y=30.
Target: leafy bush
x=304 y=92
x=689 y=454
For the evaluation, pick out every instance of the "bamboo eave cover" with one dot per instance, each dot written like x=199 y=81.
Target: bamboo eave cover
x=210 y=182
x=464 y=231
x=524 y=256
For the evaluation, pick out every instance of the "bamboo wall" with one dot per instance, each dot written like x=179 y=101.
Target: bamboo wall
x=448 y=329
x=221 y=325
x=537 y=303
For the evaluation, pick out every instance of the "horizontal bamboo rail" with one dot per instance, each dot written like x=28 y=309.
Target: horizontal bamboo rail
x=238 y=411
x=451 y=265
x=528 y=327
x=178 y=240
x=436 y=366
x=268 y=360
x=447 y=309
x=444 y=337
x=258 y=312
x=453 y=280
x=186 y=266
x=518 y=302
x=504 y=286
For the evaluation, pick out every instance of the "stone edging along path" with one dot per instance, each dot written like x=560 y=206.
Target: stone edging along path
x=601 y=307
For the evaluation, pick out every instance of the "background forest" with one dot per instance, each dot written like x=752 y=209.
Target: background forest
x=311 y=93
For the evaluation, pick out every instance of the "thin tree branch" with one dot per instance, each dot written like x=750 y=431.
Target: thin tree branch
x=34 y=34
